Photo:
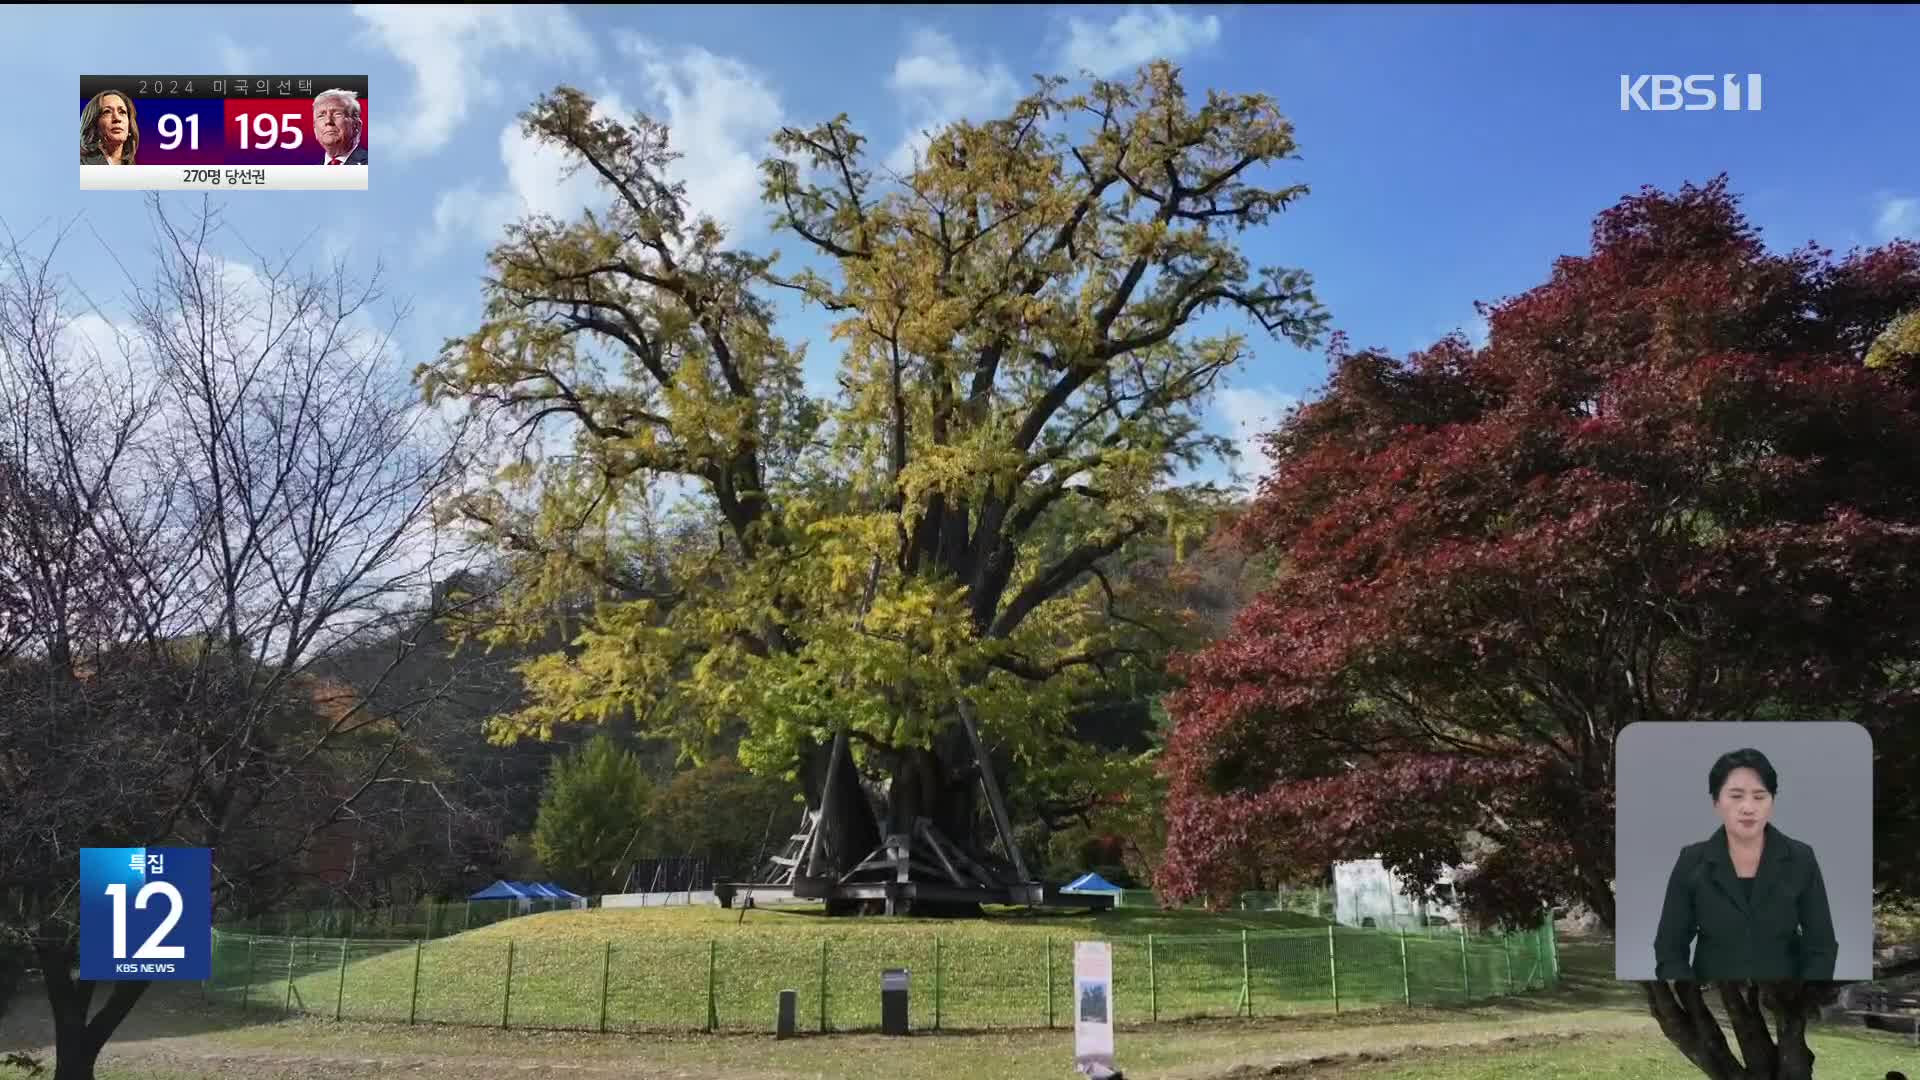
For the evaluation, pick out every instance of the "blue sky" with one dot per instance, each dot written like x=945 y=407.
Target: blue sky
x=1452 y=153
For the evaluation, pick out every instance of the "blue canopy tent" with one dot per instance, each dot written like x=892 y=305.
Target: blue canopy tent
x=1090 y=883
x=503 y=890
x=526 y=892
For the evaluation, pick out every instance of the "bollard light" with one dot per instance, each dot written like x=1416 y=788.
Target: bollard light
x=893 y=1001
x=786 y=1025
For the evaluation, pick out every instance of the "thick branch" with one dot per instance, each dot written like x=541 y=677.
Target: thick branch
x=1056 y=578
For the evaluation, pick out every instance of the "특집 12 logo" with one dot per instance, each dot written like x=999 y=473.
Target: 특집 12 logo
x=146 y=913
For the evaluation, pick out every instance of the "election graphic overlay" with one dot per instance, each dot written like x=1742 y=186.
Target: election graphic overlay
x=146 y=913
x=266 y=132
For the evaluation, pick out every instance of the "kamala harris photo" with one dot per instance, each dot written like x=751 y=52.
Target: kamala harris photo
x=109 y=130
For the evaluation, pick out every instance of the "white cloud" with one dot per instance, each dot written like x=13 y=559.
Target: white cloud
x=1139 y=34
x=936 y=85
x=93 y=335
x=471 y=213
x=536 y=183
x=237 y=59
x=1251 y=412
x=720 y=114
x=451 y=51
x=1899 y=217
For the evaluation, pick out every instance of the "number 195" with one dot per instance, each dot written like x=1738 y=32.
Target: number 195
x=269 y=130
x=171 y=128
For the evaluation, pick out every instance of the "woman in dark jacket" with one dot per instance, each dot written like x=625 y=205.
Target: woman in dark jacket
x=1751 y=895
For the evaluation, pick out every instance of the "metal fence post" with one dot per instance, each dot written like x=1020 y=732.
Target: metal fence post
x=247 y=996
x=1406 y=983
x=287 y=1005
x=823 y=986
x=413 y=1003
x=1246 y=974
x=1507 y=954
x=340 y=989
x=606 y=974
x=466 y=919
x=936 y=978
x=1333 y=968
x=1550 y=968
x=713 y=958
x=1049 y=984
x=1553 y=951
x=506 y=999
x=1153 y=985
x=1466 y=983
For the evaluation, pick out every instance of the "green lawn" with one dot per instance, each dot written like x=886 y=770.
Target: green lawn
x=1012 y=970
x=1590 y=1027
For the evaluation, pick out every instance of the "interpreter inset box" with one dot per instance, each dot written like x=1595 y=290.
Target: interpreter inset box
x=1743 y=851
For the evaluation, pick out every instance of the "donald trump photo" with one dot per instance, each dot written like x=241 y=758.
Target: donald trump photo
x=337 y=127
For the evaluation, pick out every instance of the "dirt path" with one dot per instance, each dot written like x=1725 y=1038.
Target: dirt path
x=188 y=1057
x=171 y=1037
x=185 y=1061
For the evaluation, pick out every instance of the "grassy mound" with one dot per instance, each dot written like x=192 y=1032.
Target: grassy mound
x=650 y=967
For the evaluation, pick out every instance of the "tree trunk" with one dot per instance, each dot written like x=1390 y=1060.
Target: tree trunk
x=78 y=1039
x=940 y=785
x=13 y=966
x=1684 y=1018
x=1597 y=893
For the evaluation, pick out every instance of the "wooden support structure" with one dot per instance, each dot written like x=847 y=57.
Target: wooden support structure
x=903 y=863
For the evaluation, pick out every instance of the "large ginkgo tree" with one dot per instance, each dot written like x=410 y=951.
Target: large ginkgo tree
x=1019 y=387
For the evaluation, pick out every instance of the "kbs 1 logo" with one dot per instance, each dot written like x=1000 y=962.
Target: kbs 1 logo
x=1689 y=93
x=146 y=913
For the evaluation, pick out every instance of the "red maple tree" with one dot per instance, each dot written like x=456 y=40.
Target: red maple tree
x=1667 y=488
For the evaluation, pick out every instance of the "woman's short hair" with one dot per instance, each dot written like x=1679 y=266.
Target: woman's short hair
x=347 y=98
x=90 y=127
x=1748 y=758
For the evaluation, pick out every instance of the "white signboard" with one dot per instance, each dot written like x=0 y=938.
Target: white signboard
x=1093 y=1008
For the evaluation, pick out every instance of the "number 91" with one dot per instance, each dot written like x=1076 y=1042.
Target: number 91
x=172 y=128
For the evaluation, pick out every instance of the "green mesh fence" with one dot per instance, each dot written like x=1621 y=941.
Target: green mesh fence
x=662 y=985
x=462 y=982
x=961 y=979
x=555 y=986
x=1317 y=902
x=408 y=922
x=989 y=982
